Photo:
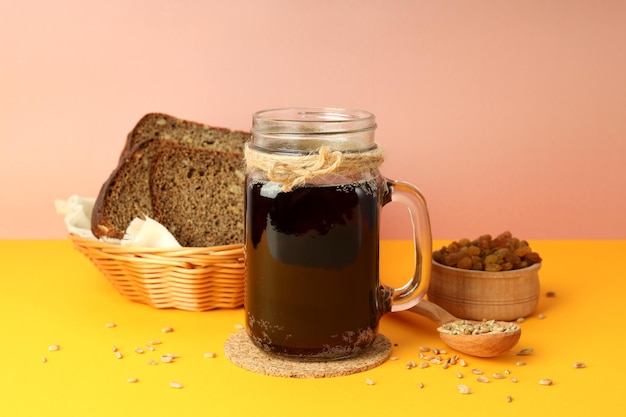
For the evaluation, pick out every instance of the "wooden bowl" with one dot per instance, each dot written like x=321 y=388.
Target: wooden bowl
x=478 y=295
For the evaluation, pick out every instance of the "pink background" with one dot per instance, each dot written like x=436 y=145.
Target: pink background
x=507 y=114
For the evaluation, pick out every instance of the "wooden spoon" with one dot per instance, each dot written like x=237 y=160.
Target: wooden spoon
x=484 y=345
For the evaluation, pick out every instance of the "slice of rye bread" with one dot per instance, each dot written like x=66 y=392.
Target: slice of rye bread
x=198 y=195
x=111 y=218
x=126 y=193
x=185 y=132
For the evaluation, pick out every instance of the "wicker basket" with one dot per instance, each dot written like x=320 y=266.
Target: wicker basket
x=194 y=279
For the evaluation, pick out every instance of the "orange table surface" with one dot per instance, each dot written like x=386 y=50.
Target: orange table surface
x=50 y=294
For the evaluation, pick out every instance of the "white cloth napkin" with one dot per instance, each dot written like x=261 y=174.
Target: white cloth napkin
x=147 y=233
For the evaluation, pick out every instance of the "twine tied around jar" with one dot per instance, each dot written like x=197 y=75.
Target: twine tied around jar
x=295 y=170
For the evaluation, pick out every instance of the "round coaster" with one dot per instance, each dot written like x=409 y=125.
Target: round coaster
x=240 y=350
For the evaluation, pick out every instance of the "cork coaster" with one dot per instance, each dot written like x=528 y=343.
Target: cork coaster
x=240 y=350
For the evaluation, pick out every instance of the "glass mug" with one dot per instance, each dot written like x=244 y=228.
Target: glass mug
x=312 y=213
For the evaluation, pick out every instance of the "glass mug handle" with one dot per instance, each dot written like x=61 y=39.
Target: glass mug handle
x=415 y=289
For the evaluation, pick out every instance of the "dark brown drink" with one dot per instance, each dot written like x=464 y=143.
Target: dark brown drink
x=312 y=285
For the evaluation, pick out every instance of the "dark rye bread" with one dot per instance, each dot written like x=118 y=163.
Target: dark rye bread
x=198 y=195
x=126 y=193
x=185 y=132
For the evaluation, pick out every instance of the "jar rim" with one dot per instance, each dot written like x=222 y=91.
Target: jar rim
x=307 y=129
x=312 y=120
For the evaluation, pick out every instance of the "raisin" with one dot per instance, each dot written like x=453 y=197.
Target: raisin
x=465 y=263
x=493 y=267
x=473 y=250
x=502 y=253
x=533 y=258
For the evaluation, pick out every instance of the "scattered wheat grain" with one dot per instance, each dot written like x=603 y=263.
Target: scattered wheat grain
x=464 y=389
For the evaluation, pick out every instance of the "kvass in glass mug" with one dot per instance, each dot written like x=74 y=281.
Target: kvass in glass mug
x=313 y=200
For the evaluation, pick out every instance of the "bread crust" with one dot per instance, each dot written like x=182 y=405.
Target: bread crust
x=185 y=132
x=126 y=192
